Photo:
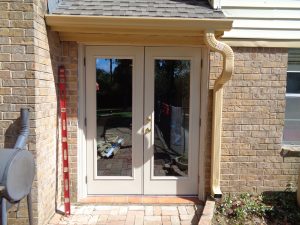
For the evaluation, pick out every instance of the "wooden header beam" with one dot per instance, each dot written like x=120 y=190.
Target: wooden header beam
x=135 y=30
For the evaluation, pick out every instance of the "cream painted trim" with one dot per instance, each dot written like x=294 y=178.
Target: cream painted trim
x=138 y=31
x=228 y=66
x=262 y=43
x=203 y=116
x=133 y=39
x=81 y=131
x=143 y=23
x=126 y=31
x=260 y=4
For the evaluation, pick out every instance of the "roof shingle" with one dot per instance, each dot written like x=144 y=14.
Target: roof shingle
x=145 y=8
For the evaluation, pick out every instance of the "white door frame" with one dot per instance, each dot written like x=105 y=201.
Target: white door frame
x=81 y=131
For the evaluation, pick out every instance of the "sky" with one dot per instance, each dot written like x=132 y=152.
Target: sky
x=104 y=64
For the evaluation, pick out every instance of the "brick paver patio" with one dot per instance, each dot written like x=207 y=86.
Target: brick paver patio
x=131 y=215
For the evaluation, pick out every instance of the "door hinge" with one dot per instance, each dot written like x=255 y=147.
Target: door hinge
x=201 y=63
x=84 y=61
x=86 y=179
x=200 y=122
x=85 y=121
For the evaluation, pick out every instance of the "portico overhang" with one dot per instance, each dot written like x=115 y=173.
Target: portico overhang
x=116 y=30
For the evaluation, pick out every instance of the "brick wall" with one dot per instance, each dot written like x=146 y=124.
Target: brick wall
x=70 y=60
x=45 y=113
x=27 y=73
x=16 y=85
x=15 y=56
x=55 y=48
x=253 y=119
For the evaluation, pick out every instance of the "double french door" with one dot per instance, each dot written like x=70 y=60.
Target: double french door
x=142 y=106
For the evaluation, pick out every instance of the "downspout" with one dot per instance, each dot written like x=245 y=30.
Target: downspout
x=22 y=138
x=228 y=65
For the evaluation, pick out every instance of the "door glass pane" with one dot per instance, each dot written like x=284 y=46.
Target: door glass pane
x=171 y=104
x=114 y=116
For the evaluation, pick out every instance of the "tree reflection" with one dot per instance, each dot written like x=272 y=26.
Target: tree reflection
x=114 y=84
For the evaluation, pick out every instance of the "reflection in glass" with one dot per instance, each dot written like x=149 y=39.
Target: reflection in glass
x=172 y=93
x=291 y=131
x=293 y=83
x=114 y=116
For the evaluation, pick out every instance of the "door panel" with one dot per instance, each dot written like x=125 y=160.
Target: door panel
x=114 y=139
x=142 y=137
x=171 y=120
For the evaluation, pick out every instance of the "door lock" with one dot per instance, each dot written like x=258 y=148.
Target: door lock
x=148 y=119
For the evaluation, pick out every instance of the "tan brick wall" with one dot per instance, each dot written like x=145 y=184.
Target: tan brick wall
x=16 y=86
x=27 y=76
x=253 y=119
x=46 y=113
x=15 y=57
x=70 y=60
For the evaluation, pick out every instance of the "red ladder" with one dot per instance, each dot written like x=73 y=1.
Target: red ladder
x=64 y=138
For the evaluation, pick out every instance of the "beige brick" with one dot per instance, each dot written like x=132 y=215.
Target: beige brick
x=4 y=40
x=19 y=6
x=4 y=57
x=16 y=15
x=257 y=89
x=153 y=218
x=22 y=40
x=16 y=32
x=149 y=210
x=166 y=218
x=175 y=220
x=157 y=211
x=169 y=212
x=5 y=91
x=4 y=31
x=3 y=6
x=13 y=66
x=14 y=83
x=22 y=57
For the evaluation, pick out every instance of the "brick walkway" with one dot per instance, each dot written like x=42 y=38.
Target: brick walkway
x=131 y=215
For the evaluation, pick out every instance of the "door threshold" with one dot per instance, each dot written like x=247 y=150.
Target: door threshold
x=137 y=199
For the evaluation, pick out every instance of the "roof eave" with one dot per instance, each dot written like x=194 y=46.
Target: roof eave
x=91 y=26
x=144 y=22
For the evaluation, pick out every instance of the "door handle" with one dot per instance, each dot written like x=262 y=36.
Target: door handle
x=147 y=130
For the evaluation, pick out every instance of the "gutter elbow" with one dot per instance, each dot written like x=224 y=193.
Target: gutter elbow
x=228 y=57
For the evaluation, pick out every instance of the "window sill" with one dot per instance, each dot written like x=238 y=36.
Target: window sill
x=290 y=151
